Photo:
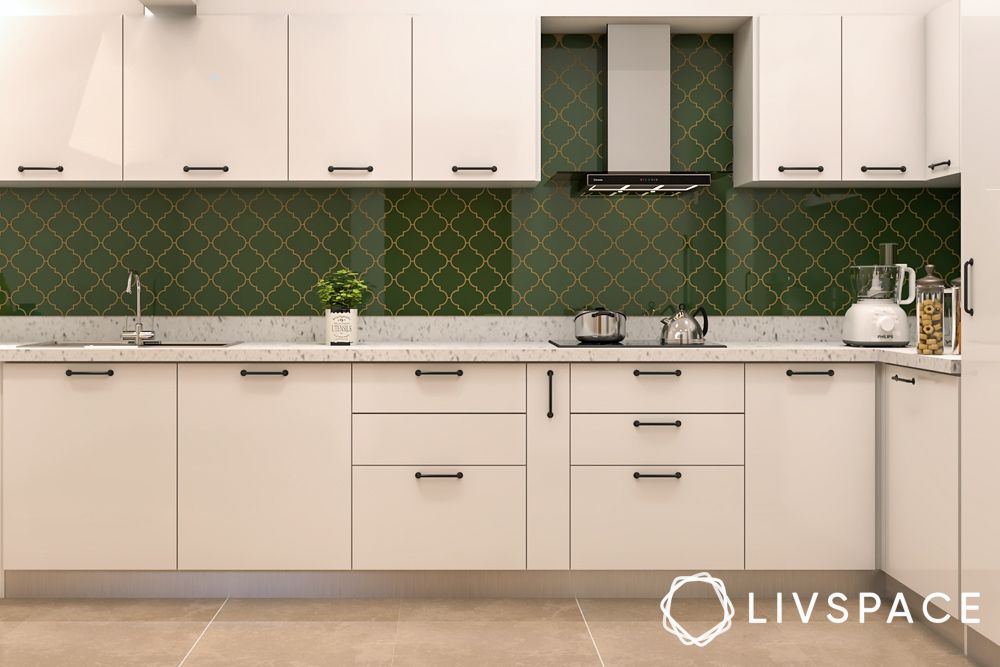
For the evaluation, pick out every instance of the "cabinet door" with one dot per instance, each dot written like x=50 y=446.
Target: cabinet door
x=810 y=467
x=476 y=99
x=943 y=62
x=548 y=466
x=798 y=98
x=920 y=488
x=61 y=79
x=349 y=98
x=884 y=99
x=89 y=476
x=264 y=467
x=208 y=93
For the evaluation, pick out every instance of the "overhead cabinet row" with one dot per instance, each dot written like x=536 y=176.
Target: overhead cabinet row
x=311 y=99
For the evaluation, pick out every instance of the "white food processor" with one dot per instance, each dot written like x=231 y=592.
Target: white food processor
x=877 y=319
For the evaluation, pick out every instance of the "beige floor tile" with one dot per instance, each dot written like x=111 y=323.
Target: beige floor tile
x=291 y=643
x=15 y=610
x=300 y=610
x=648 y=609
x=125 y=610
x=97 y=644
x=501 y=643
x=483 y=610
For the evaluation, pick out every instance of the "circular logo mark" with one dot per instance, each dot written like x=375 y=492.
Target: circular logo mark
x=671 y=625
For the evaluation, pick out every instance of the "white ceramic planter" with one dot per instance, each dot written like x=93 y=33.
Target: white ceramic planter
x=341 y=327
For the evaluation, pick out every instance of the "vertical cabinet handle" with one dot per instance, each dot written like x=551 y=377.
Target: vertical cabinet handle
x=108 y=373
x=818 y=168
x=22 y=168
x=896 y=378
x=943 y=163
x=550 y=413
x=966 y=287
x=791 y=373
x=865 y=169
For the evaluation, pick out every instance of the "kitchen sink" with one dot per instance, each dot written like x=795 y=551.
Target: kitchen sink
x=119 y=344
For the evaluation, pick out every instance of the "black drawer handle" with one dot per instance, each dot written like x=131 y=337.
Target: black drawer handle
x=967 y=287
x=458 y=373
x=282 y=373
x=550 y=413
x=783 y=168
x=865 y=169
x=456 y=169
x=108 y=373
x=224 y=168
x=424 y=475
x=21 y=168
x=332 y=169
x=791 y=373
x=639 y=424
x=639 y=373
x=906 y=380
x=642 y=475
x=943 y=163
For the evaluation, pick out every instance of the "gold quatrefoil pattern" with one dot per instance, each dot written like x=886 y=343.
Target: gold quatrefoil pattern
x=538 y=251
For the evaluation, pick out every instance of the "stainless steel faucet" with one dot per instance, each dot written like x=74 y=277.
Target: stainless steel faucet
x=137 y=335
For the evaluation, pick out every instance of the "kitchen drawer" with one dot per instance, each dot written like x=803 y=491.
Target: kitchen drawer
x=473 y=523
x=659 y=388
x=623 y=523
x=457 y=387
x=469 y=439
x=673 y=439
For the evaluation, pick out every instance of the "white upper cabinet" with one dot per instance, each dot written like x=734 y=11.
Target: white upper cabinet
x=883 y=98
x=942 y=30
x=206 y=99
x=349 y=99
x=60 y=79
x=476 y=99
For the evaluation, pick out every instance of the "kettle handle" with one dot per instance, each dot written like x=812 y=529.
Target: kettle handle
x=704 y=319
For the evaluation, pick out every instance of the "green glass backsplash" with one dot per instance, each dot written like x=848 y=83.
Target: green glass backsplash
x=538 y=251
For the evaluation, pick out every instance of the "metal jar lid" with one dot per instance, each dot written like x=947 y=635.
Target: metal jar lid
x=931 y=280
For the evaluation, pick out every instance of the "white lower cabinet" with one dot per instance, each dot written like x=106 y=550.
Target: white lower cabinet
x=264 y=460
x=810 y=466
x=439 y=518
x=89 y=466
x=920 y=481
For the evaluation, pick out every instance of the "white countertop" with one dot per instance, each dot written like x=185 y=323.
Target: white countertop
x=485 y=352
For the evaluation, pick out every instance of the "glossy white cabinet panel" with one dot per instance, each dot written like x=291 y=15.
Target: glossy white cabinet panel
x=439 y=387
x=476 y=99
x=264 y=467
x=206 y=92
x=810 y=467
x=657 y=439
x=548 y=466
x=61 y=81
x=89 y=467
x=349 y=98
x=657 y=388
x=447 y=439
x=942 y=30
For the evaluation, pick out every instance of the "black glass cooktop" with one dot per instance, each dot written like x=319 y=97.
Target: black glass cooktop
x=632 y=343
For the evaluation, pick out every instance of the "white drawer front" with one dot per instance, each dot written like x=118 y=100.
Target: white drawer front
x=623 y=523
x=468 y=439
x=458 y=387
x=658 y=387
x=653 y=439
x=473 y=523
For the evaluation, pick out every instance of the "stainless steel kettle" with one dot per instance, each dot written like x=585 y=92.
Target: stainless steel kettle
x=680 y=328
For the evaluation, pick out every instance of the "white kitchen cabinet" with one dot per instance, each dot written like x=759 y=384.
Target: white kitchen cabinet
x=61 y=79
x=883 y=98
x=810 y=467
x=206 y=99
x=89 y=466
x=264 y=465
x=442 y=439
x=439 y=388
x=920 y=481
x=942 y=33
x=548 y=449
x=657 y=388
x=349 y=99
x=476 y=99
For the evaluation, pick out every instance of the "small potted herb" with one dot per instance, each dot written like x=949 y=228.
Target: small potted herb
x=342 y=292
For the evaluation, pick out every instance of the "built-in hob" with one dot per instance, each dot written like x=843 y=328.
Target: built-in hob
x=634 y=343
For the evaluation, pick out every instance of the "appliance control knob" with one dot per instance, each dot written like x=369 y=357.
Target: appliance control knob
x=886 y=323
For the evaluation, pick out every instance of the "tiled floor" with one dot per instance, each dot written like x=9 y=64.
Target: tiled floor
x=194 y=633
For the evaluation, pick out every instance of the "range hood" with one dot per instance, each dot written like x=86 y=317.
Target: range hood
x=638 y=111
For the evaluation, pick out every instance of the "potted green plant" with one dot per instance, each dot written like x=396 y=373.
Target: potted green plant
x=342 y=293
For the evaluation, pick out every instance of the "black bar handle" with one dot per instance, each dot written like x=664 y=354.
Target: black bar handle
x=639 y=424
x=458 y=373
x=224 y=168
x=906 y=380
x=639 y=373
x=943 y=163
x=456 y=169
x=424 y=475
x=332 y=169
x=782 y=168
x=22 y=168
x=641 y=475
x=865 y=169
x=108 y=372
x=967 y=287
x=550 y=413
x=791 y=373
x=282 y=373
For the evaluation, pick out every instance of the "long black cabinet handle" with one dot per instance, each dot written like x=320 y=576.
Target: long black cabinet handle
x=641 y=475
x=224 y=168
x=424 y=475
x=639 y=424
x=550 y=413
x=865 y=169
x=791 y=373
x=967 y=287
x=22 y=168
x=282 y=373
x=782 y=168
x=458 y=373
x=108 y=373
x=943 y=163
x=896 y=378
x=456 y=168
x=332 y=169
x=639 y=373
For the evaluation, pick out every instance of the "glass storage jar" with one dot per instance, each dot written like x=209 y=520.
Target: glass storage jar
x=930 y=313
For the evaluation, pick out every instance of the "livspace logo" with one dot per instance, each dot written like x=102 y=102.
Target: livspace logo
x=805 y=606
